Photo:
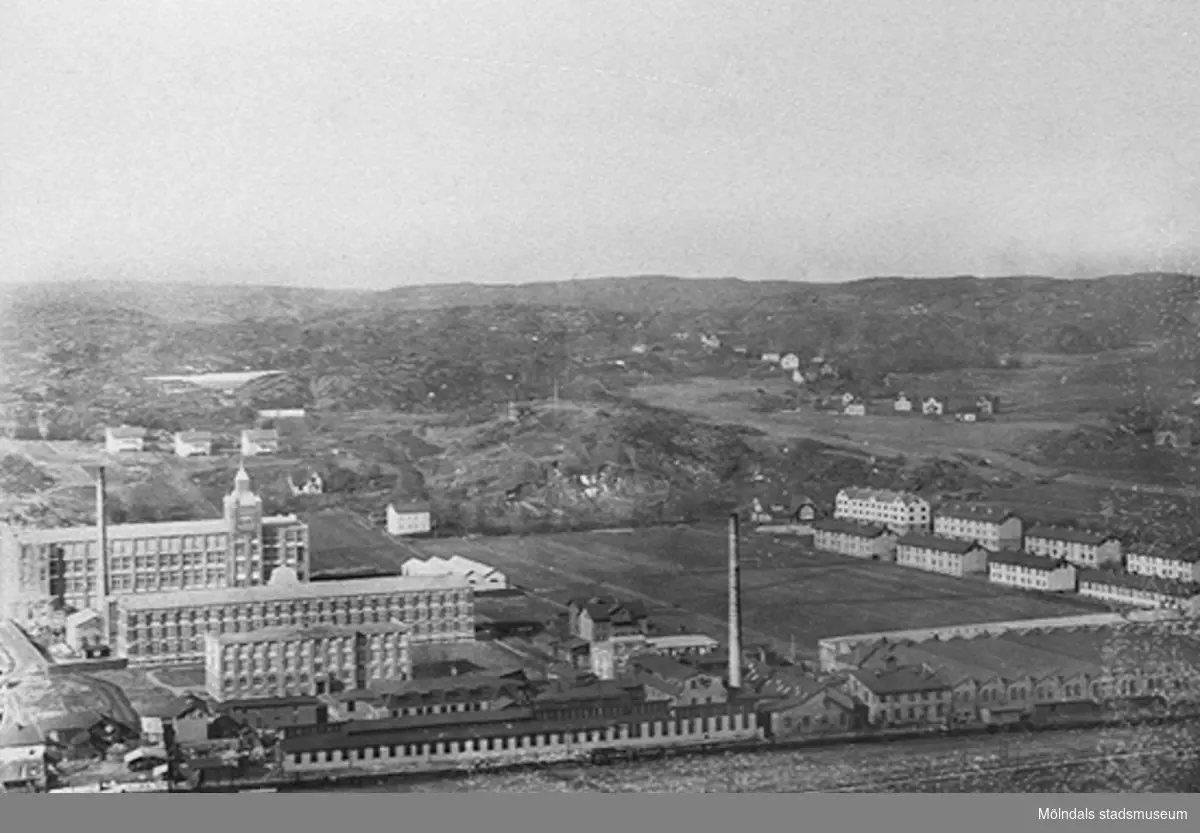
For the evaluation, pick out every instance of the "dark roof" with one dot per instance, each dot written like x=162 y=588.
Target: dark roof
x=849 y=528
x=270 y=703
x=195 y=436
x=432 y=721
x=257 y=434
x=603 y=608
x=935 y=542
x=517 y=726
x=410 y=506
x=900 y=680
x=1078 y=536
x=1167 y=587
x=975 y=512
x=1188 y=556
x=447 y=684
x=127 y=431
x=664 y=667
x=1024 y=559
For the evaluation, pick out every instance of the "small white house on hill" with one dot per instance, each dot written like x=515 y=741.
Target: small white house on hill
x=409 y=518
x=257 y=441
x=193 y=443
x=124 y=438
x=902 y=405
x=789 y=362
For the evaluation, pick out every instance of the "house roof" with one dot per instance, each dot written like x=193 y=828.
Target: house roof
x=409 y=506
x=881 y=495
x=603 y=608
x=194 y=436
x=1178 y=589
x=849 y=528
x=902 y=680
x=260 y=434
x=664 y=667
x=1075 y=536
x=975 y=512
x=1185 y=557
x=935 y=542
x=127 y=432
x=81 y=617
x=1020 y=558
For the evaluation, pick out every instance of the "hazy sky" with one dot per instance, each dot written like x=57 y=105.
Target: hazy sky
x=378 y=143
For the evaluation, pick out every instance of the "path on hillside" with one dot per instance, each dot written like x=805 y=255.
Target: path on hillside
x=697 y=406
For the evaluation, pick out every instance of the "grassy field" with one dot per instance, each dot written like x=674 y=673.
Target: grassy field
x=345 y=546
x=789 y=591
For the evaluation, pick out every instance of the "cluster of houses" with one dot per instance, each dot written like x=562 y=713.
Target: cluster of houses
x=131 y=438
x=964 y=539
x=982 y=407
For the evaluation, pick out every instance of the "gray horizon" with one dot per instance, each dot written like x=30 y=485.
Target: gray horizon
x=367 y=146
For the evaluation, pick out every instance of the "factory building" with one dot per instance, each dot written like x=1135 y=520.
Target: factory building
x=44 y=569
x=166 y=628
x=289 y=661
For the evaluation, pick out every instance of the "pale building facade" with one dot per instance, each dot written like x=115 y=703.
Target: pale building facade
x=854 y=539
x=413 y=518
x=193 y=443
x=941 y=555
x=44 y=568
x=286 y=662
x=901 y=512
x=166 y=628
x=1032 y=572
x=1171 y=566
x=993 y=527
x=1080 y=547
x=124 y=438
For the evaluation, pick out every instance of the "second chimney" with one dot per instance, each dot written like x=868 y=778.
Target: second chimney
x=735 y=608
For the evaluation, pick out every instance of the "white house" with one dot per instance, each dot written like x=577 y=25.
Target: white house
x=1173 y=566
x=1014 y=568
x=847 y=398
x=257 y=441
x=932 y=406
x=798 y=377
x=771 y=358
x=711 y=342
x=281 y=413
x=901 y=512
x=639 y=349
x=855 y=409
x=992 y=526
x=85 y=628
x=1081 y=547
x=124 y=438
x=1140 y=591
x=902 y=405
x=193 y=443
x=790 y=361
x=409 y=518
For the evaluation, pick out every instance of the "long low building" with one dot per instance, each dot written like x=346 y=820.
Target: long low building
x=165 y=628
x=1139 y=590
x=1174 y=566
x=937 y=554
x=285 y=662
x=480 y=576
x=854 y=539
x=1032 y=572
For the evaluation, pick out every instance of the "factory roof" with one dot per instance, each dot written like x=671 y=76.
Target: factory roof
x=1074 y=536
x=845 y=527
x=163 y=529
x=285 y=591
x=901 y=680
x=314 y=632
x=935 y=542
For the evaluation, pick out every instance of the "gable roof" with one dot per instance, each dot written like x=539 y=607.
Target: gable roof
x=126 y=432
x=665 y=668
x=402 y=507
x=975 y=512
x=1075 y=536
x=194 y=436
x=936 y=542
x=603 y=608
x=902 y=680
x=1020 y=558
x=845 y=527
x=880 y=495
x=1177 y=589
x=260 y=434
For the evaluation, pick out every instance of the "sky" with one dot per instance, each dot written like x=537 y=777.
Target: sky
x=372 y=144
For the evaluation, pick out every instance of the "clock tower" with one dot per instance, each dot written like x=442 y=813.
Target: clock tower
x=243 y=517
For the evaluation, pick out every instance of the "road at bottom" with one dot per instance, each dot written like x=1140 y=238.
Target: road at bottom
x=1115 y=759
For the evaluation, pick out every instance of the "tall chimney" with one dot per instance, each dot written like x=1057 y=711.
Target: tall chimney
x=735 y=608
x=102 y=564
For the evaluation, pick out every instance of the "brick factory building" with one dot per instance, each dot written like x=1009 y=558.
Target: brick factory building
x=289 y=661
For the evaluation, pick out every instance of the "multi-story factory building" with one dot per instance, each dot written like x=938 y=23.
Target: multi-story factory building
x=286 y=662
x=44 y=569
x=165 y=628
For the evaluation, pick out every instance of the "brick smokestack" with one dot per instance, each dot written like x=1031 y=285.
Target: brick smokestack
x=102 y=538
x=735 y=607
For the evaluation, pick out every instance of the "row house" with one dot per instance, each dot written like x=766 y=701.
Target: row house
x=1081 y=547
x=858 y=540
x=901 y=512
x=193 y=443
x=941 y=555
x=124 y=438
x=993 y=527
x=1014 y=568
x=1139 y=590
x=813 y=713
x=1173 y=566
x=895 y=695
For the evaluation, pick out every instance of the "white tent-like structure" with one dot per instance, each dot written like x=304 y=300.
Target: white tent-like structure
x=480 y=576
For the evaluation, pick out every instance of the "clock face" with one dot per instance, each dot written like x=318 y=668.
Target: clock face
x=247 y=523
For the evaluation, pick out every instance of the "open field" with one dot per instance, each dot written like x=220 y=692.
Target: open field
x=789 y=591
x=730 y=401
x=343 y=545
